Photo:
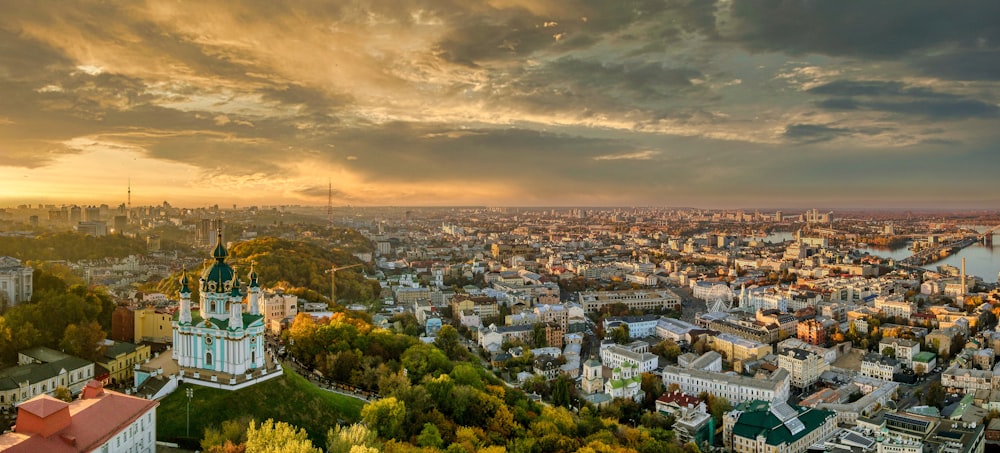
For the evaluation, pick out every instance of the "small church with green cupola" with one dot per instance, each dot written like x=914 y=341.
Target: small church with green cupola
x=225 y=335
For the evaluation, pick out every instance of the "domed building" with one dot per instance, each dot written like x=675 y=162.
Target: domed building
x=226 y=334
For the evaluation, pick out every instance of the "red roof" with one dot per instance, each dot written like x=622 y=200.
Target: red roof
x=679 y=398
x=43 y=405
x=94 y=421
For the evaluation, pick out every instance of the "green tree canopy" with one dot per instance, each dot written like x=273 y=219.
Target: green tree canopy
x=278 y=437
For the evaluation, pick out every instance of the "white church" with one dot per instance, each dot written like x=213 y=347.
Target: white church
x=226 y=334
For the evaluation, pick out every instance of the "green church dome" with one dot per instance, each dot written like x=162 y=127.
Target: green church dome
x=220 y=277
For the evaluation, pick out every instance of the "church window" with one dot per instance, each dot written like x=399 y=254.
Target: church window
x=208 y=359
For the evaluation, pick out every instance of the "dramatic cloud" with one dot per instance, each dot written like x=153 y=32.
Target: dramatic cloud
x=667 y=102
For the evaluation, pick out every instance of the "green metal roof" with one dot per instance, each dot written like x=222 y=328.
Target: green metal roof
x=757 y=420
x=120 y=347
x=924 y=356
x=10 y=378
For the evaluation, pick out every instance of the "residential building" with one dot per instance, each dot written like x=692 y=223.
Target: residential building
x=593 y=301
x=123 y=324
x=734 y=388
x=877 y=396
x=775 y=427
x=894 y=307
x=120 y=359
x=491 y=337
x=638 y=326
x=737 y=349
x=484 y=306
x=694 y=426
x=787 y=323
x=804 y=366
x=709 y=361
x=674 y=329
x=99 y=421
x=878 y=366
x=15 y=281
x=903 y=350
x=942 y=338
x=276 y=306
x=554 y=334
x=152 y=325
x=969 y=380
x=547 y=365
x=924 y=362
x=614 y=356
x=554 y=313
x=674 y=403
x=812 y=332
x=40 y=371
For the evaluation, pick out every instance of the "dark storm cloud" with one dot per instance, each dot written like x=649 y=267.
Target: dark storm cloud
x=862 y=27
x=322 y=192
x=588 y=87
x=897 y=97
x=514 y=33
x=417 y=152
x=24 y=59
x=817 y=133
x=966 y=64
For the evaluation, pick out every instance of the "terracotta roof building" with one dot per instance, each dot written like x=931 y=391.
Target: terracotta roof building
x=101 y=420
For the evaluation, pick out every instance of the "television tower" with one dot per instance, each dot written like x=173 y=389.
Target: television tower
x=128 y=215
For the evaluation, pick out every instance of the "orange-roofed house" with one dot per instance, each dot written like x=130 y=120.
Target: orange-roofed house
x=100 y=420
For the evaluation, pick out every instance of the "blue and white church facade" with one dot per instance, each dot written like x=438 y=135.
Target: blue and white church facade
x=226 y=334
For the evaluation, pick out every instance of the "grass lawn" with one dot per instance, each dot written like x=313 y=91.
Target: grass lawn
x=289 y=398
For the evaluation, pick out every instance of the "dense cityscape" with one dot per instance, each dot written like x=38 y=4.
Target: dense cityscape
x=500 y=329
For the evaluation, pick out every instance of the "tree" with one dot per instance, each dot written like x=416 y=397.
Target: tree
x=560 y=391
x=84 y=340
x=538 y=338
x=717 y=406
x=620 y=334
x=448 y=341
x=386 y=415
x=278 y=437
x=668 y=350
x=343 y=439
x=889 y=351
x=430 y=436
x=232 y=432
x=935 y=394
x=63 y=393
x=653 y=386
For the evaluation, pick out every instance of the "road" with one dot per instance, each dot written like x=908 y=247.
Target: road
x=907 y=393
x=690 y=306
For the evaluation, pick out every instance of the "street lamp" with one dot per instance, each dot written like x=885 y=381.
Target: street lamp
x=190 y=394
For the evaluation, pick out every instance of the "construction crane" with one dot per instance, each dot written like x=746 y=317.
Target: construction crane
x=333 y=273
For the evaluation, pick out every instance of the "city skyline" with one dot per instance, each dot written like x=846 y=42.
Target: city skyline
x=727 y=104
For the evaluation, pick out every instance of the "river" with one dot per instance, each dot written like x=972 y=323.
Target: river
x=980 y=260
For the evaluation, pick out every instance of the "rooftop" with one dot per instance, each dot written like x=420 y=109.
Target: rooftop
x=756 y=418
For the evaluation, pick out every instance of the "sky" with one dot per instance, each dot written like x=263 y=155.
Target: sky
x=726 y=103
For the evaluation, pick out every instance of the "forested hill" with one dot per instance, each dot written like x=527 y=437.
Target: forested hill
x=294 y=265
x=70 y=246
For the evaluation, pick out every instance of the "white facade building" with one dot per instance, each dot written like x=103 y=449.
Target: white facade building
x=15 y=281
x=614 y=356
x=221 y=337
x=734 y=388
